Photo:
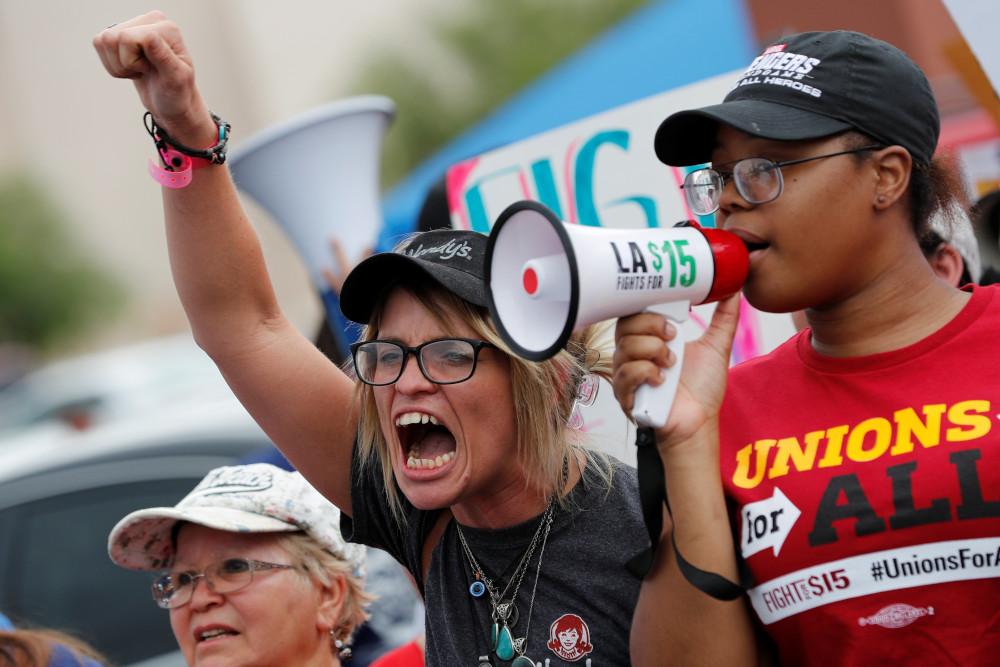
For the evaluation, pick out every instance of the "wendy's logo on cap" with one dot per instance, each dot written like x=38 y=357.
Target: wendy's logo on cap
x=445 y=251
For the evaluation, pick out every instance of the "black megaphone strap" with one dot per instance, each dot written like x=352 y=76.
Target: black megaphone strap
x=652 y=495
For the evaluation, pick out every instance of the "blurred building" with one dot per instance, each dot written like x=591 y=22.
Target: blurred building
x=63 y=120
x=79 y=132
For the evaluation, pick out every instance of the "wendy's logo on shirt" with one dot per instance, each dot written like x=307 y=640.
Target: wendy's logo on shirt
x=569 y=637
x=896 y=616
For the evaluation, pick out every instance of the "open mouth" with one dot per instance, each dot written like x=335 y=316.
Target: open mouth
x=752 y=241
x=427 y=444
x=751 y=246
x=215 y=633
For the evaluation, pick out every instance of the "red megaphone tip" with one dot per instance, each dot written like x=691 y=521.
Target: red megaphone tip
x=732 y=262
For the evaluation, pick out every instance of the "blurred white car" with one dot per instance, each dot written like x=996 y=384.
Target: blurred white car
x=60 y=497
x=82 y=391
x=63 y=487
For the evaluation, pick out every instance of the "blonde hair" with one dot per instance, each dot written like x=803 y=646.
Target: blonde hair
x=544 y=394
x=323 y=567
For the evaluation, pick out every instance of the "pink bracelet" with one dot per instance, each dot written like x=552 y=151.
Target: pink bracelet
x=177 y=178
x=197 y=162
x=180 y=159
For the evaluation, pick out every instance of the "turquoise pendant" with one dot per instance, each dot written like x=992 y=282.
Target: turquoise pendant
x=494 y=636
x=505 y=644
x=522 y=661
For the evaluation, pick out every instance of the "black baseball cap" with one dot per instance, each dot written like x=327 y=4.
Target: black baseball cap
x=813 y=85
x=455 y=259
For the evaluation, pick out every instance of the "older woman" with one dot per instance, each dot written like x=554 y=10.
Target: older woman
x=280 y=585
x=466 y=469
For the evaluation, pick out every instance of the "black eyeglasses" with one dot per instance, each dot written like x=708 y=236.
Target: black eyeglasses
x=228 y=575
x=758 y=180
x=442 y=361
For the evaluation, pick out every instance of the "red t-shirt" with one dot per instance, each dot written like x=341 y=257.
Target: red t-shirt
x=866 y=495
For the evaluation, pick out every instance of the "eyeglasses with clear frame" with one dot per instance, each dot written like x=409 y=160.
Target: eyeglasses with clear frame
x=758 y=180
x=442 y=361
x=228 y=575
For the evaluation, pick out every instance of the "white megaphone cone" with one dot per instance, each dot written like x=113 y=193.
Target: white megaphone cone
x=547 y=279
x=318 y=175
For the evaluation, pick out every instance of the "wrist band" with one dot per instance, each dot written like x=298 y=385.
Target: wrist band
x=214 y=154
x=177 y=174
x=179 y=160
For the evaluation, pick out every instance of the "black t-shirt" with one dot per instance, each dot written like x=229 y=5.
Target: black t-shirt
x=581 y=610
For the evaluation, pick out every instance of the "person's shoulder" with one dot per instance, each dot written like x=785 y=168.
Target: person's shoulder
x=603 y=475
x=784 y=353
x=611 y=465
x=989 y=293
x=62 y=656
x=611 y=481
x=407 y=655
x=617 y=465
x=983 y=308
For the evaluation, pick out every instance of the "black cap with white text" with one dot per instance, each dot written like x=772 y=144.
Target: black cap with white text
x=813 y=85
x=453 y=258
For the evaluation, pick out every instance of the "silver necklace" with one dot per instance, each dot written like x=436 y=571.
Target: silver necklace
x=504 y=611
x=483 y=583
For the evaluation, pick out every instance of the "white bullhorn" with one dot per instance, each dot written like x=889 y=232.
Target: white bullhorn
x=318 y=174
x=547 y=279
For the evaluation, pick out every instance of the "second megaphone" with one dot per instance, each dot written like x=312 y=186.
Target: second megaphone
x=547 y=279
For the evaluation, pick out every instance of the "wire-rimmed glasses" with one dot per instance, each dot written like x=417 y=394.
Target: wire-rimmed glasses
x=758 y=180
x=228 y=575
x=442 y=361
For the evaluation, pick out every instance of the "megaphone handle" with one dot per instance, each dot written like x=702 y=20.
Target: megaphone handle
x=652 y=404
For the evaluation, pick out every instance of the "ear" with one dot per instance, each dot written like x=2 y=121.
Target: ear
x=892 y=176
x=331 y=602
x=947 y=264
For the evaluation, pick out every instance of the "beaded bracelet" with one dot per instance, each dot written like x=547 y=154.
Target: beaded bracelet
x=179 y=159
